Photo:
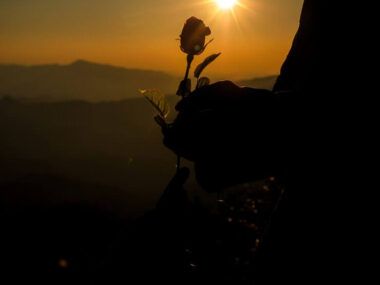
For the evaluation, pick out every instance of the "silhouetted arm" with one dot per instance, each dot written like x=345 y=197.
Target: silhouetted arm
x=307 y=59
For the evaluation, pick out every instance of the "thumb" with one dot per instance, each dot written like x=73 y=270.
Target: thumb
x=174 y=192
x=180 y=177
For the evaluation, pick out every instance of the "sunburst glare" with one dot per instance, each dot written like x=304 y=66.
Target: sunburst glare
x=226 y=4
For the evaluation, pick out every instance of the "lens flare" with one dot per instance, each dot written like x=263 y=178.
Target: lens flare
x=226 y=4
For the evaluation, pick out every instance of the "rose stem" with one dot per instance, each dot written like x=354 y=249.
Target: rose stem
x=190 y=58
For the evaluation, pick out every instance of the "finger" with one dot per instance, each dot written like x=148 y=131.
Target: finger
x=170 y=137
x=177 y=182
x=180 y=178
x=174 y=194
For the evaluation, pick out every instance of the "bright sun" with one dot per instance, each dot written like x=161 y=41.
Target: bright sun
x=226 y=4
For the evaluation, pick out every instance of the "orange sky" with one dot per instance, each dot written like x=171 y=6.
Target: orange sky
x=254 y=40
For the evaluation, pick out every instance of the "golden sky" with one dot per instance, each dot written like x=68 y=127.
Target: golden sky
x=254 y=37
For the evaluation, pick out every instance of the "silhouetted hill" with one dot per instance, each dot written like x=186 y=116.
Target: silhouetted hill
x=92 y=82
x=115 y=144
x=262 y=82
x=80 y=80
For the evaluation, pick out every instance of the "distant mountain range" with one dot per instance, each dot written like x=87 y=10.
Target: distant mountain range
x=80 y=80
x=93 y=82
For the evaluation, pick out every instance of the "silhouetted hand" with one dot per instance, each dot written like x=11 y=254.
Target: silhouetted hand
x=213 y=112
x=228 y=131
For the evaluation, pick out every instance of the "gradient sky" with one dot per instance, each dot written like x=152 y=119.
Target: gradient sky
x=142 y=33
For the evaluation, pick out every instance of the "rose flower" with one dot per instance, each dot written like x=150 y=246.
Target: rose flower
x=193 y=36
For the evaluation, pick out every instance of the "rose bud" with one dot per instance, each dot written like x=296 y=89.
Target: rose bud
x=193 y=36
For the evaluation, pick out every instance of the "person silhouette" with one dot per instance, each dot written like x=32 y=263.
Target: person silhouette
x=246 y=132
x=237 y=134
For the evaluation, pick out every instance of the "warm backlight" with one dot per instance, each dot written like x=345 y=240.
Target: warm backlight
x=226 y=4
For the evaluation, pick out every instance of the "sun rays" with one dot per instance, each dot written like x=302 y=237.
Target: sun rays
x=224 y=9
x=226 y=4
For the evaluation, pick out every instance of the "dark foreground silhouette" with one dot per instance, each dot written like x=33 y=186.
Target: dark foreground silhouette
x=294 y=133
x=292 y=227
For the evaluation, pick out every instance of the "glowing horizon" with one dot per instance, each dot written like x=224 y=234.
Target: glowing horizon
x=254 y=36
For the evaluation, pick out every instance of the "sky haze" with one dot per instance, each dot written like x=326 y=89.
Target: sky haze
x=254 y=37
